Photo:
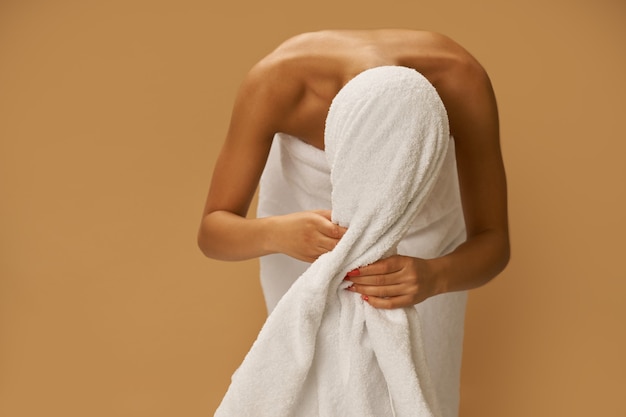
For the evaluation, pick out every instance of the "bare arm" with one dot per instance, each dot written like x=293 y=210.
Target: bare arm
x=474 y=122
x=225 y=233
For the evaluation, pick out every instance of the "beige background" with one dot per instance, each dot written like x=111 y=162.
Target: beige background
x=111 y=114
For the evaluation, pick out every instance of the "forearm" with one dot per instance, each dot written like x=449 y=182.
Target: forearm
x=473 y=263
x=229 y=237
x=301 y=235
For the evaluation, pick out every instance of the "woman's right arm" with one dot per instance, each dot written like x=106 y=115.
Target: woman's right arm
x=225 y=233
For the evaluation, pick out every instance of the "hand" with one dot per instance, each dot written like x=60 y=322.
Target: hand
x=306 y=235
x=394 y=282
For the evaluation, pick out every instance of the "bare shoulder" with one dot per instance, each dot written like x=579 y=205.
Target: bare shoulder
x=290 y=89
x=443 y=60
x=264 y=98
x=463 y=84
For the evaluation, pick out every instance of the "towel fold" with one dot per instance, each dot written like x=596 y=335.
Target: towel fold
x=323 y=351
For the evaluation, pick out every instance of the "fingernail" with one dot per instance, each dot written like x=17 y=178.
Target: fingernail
x=365 y=297
x=354 y=273
x=350 y=288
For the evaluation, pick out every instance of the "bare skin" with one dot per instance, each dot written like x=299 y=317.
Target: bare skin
x=290 y=91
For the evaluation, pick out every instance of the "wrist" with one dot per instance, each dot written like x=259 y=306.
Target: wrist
x=439 y=269
x=270 y=235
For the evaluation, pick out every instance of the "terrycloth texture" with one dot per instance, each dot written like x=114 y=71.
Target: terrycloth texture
x=297 y=178
x=323 y=351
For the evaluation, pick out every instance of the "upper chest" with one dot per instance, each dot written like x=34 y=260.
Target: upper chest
x=306 y=118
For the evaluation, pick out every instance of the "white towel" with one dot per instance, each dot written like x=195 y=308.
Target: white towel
x=323 y=351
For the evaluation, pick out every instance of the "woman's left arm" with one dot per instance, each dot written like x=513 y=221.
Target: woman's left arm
x=400 y=281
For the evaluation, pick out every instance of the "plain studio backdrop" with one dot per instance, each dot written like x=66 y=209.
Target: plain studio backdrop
x=111 y=116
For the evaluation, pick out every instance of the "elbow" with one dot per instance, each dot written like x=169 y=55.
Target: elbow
x=200 y=240
x=497 y=251
x=504 y=255
x=203 y=241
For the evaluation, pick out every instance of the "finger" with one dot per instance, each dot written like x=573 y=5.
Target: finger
x=327 y=214
x=382 y=267
x=389 y=303
x=390 y=277
x=326 y=244
x=381 y=291
x=332 y=230
x=375 y=280
x=328 y=227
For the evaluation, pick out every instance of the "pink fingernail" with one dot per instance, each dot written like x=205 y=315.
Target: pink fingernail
x=365 y=297
x=354 y=273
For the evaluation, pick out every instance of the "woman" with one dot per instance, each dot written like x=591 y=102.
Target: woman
x=289 y=92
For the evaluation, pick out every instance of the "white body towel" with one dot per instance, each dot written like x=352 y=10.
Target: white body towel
x=323 y=351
